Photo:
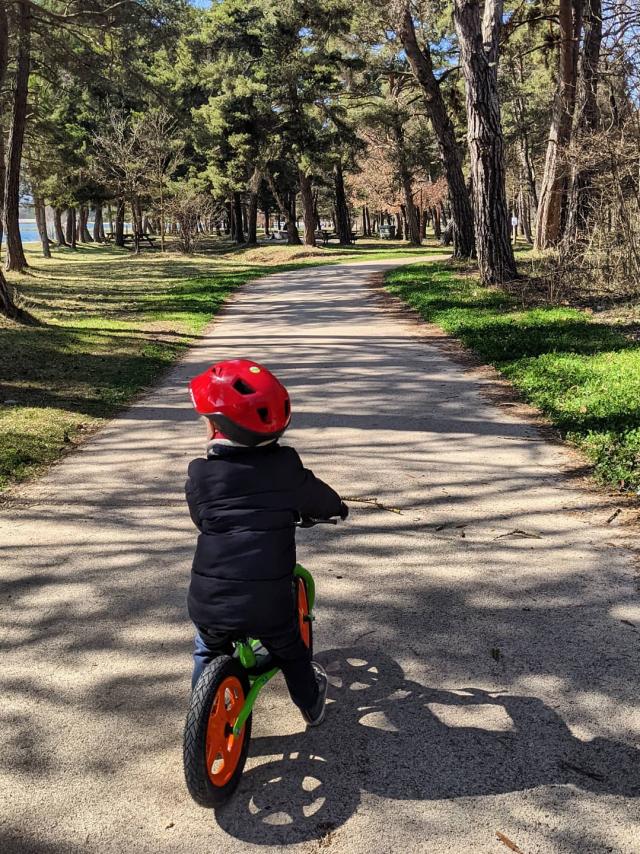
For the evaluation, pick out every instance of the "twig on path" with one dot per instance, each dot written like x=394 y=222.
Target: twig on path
x=374 y=502
x=614 y=515
x=592 y=775
x=364 y=635
x=506 y=841
x=518 y=532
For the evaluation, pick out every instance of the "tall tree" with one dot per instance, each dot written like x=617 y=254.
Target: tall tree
x=16 y=259
x=581 y=190
x=422 y=67
x=8 y=306
x=554 y=183
x=479 y=40
x=343 y=220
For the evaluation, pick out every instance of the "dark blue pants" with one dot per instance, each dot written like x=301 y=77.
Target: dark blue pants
x=287 y=650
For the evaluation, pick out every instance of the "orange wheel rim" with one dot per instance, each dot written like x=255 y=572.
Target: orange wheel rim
x=222 y=747
x=303 y=613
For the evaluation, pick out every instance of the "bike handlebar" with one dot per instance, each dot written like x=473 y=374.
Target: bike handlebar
x=309 y=522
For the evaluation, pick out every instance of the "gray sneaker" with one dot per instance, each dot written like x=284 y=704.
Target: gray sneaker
x=315 y=715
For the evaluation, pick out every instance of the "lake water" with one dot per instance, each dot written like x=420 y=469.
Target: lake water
x=29 y=230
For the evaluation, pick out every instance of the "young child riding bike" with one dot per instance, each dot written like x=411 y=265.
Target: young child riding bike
x=245 y=498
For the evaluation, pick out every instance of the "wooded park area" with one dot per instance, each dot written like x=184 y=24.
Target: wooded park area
x=244 y=135
x=463 y=116
x=423 y=218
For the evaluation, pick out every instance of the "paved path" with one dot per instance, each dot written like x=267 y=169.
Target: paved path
x=482 y=680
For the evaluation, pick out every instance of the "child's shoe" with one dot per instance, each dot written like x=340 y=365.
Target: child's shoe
x=315 y=715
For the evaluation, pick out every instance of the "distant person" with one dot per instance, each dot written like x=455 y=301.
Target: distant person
x=514 y=227
x=245 y=498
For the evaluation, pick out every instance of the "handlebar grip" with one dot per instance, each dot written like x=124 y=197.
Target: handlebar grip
x=309 y=522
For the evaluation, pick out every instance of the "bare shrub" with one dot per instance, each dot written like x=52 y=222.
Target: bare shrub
x=189 y=208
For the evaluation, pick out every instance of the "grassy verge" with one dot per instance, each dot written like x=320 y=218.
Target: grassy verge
x=584 y=375
x=107 y=324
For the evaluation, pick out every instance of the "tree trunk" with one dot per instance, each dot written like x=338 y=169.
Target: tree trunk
x=41 y=222
x=308 y=212
x=57 y=224
x=524 y=214
x=119 y=229
x=316 y=215
x=553 y=189
x=252 y=219
x=267 y=232
x=412 y=229
x=70 y=228
x=479 y=59
x=4 y=62
x=85 y=236
x=161 y=221
x=136 y=224
x=422 y=67
x=343 y=220
x=580 y=189
x=523 y=125
x=15 y=259
x=293 y=234
x=97 y=224
x=237 y=218
x=447 y=234
x=7 y=302
x=437 y=230
x=399 y=226
x=424 y=219
x=286 y=210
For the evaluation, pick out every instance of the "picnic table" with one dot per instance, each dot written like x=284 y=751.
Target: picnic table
x=130 y=238
x=326 y=236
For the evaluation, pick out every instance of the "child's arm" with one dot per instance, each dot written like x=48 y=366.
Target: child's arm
x=190 y=493
x=316 y=498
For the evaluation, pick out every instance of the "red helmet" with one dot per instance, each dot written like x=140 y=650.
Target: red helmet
x=245 y=401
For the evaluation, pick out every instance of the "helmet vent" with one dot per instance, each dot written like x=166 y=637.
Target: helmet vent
x=263 y=412
x=243 y=387
x=287 y=408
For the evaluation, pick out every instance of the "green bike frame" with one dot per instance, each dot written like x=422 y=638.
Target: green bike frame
x=248 y=659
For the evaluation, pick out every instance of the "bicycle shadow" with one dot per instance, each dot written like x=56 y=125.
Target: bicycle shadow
x=395 y=738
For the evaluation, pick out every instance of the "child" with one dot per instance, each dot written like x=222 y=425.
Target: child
x=245 y=498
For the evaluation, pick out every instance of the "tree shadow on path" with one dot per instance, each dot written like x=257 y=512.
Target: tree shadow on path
x=395 y=738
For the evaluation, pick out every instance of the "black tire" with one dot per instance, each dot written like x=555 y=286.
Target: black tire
x=201 y=788
x=300 y=583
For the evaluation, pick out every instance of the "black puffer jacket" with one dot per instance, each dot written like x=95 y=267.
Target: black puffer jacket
x=245 y=503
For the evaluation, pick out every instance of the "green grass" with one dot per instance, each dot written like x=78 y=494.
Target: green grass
x=584 y=375
x=108 y=324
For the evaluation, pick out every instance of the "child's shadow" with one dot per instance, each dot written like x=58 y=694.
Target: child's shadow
x=398 y=739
